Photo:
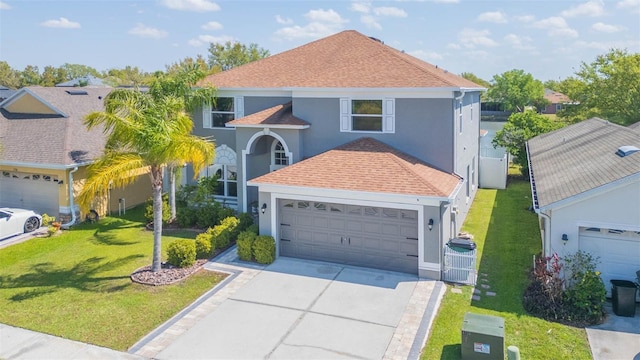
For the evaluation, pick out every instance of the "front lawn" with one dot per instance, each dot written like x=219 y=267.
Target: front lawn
x=507 y=236
x=76 y=285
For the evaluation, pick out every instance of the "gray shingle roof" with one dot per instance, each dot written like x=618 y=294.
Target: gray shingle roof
x=53 y=140
x=579 y=158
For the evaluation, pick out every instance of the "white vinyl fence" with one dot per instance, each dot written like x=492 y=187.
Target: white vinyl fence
x=459 y=266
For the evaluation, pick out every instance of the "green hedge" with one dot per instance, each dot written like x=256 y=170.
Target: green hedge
x=182 y=253
x=203 y=246
x=264 y=249
x=222 y=234
x=245 y=245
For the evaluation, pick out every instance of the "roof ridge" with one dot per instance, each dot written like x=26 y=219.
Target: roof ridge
x=404 y=165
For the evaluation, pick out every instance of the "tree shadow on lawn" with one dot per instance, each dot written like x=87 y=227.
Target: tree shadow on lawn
x=511 y=240
x=46 y=278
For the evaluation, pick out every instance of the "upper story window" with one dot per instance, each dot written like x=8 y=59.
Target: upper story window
x=460 y=114
x=367 y=115
x=224 y=110
x=279 y=158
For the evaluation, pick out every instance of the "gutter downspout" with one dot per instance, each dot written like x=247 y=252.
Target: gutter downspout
x=73 y=212
x=546 y=240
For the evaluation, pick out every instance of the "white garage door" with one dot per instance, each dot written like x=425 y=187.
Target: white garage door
x=374 y=237
x=38 y=192
x=619 y=252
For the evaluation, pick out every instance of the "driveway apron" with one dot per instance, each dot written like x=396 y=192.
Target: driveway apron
x=297 y=309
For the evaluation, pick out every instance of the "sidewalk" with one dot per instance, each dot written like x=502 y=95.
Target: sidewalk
x=17 y=343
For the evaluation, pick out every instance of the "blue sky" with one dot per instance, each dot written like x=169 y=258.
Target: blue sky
x=548 y=39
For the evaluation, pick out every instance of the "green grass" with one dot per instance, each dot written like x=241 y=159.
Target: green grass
x=507 y=236
x=76 y=285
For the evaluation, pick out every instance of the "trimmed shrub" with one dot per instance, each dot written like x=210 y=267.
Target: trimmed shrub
x=47 y=220
x=245 y=245
x=254 y=229
x=246 y=220
x=223 y=233
x=182 y=253
x=585 y=293
x=207 y=216
x=186 y=217
x=203 y=246
x=264 y=249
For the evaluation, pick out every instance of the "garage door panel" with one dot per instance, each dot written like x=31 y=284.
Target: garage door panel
x=352 y=234
x=24 y=192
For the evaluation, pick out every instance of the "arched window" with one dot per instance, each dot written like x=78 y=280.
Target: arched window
x=225 y=168
x=279 y=158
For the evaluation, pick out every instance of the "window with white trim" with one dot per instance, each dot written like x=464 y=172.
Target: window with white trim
x=460 y=114
x=223 y=110
x=279 y=155
x=225 y=169
x=367 y=115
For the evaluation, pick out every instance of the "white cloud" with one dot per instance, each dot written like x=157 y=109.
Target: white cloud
x=283 y=21
x=606 y=28
x=212 y=25
x=454 y=46
x=426 y=55
x=321 y=23
x=370 y=22
x=389 y=11
x=191 y=5
x=470 y=38
x=525 y=18
x=591 y=8
x=147 y=32
x=608 y=45
x=628 y=4
x=360 y=7
x=4 y=6
x=497 y=17
x=519 y=42
x=62 y=23
x=447 y=1
x=208 y=39
x=556 y=26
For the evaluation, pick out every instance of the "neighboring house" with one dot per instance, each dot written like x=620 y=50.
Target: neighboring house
x=83 y=81
x=352 y=151
x=5 y=92
x=46 y=149
x=587 y=195
x=557 y=101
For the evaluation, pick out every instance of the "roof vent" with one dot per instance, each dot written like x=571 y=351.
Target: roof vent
x=77 y=92
x=626 y=150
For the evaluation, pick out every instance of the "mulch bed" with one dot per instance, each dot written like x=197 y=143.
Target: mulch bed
x=168 y=274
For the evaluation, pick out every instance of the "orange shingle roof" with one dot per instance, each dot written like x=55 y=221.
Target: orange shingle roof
x=347 y=59
x=277 y=115
x=365 y=165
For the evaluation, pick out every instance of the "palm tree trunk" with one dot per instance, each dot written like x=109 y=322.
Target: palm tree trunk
x=172 y=191
x=156 y=178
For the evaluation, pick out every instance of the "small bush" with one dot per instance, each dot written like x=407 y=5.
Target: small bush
x=264 y=249
x=208 y=215
x=166 y=209
x=224 y=233
x=246 y=220
x=203 y=246
x=544 y=295
x=254 y=229
x=182 y=253
x=245 y=245
x=186 y=217
x=586 y=293
x=47 y=220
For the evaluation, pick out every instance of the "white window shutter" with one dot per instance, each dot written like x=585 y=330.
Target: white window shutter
x=345 y=114
x=206 y=116
x=238 y=103
x=389 y=116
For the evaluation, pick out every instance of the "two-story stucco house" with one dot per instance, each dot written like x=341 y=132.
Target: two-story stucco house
x=350 y=151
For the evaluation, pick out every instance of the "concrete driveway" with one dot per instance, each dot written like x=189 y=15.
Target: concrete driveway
x=296 y=309
x=617 y=338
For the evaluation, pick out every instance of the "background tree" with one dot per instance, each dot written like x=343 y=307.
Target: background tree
x=519 y=128
x=127 y=76
x=143 y=131
x=9 y=77
x=74 y=71
x=552 y=85
x=608 y=87
x=472 y=77
x=230 y=55
x=189 y=61
x=516 y=90
x=30 y=76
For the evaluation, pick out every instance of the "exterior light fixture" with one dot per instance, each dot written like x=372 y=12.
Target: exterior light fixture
x=565 y=237
x=430 y=224
x=263 y=208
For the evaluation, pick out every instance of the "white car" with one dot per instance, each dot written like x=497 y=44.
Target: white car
x=18 y=221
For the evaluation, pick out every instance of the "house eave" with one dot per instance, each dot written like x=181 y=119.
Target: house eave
x=267 y=126
x=44 y=166
x=337 y=194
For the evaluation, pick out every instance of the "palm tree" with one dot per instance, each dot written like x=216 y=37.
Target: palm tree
x=145 y=130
